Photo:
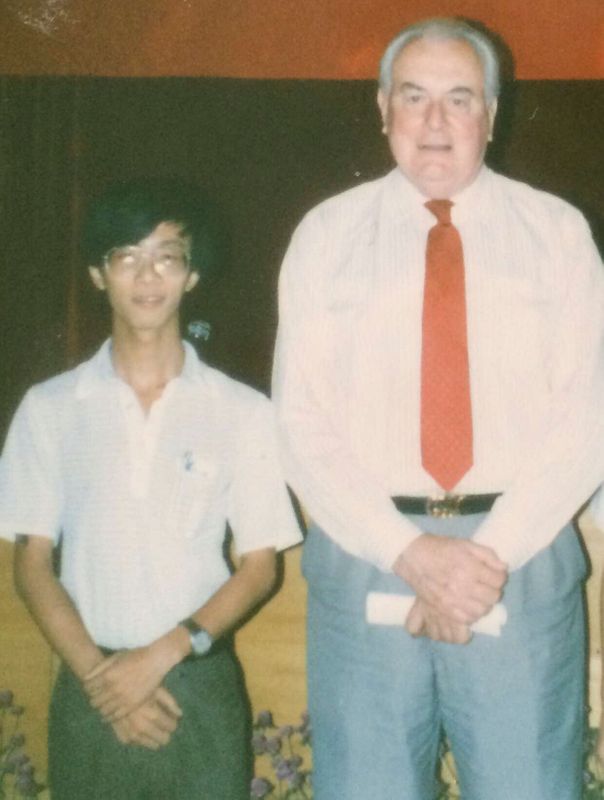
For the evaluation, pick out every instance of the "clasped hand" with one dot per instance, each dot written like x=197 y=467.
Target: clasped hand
x=151 y=724
x=456 y=582
x=124 y=680
x=126 y=690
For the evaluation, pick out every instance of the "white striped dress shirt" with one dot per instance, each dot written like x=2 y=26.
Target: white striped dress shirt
x=347 y=364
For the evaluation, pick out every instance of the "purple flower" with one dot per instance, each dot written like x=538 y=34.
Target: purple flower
x=261 y=787
x=259 y=744
x=273 y=745
x=9 y=767
x=26 y=768
x=295 y=780
x=305 y=737
x=6 y=698
x=26 y=786
x=296 y=761
x=264 y=719
x=17 y=760
x=284 y=770
x=304 y=728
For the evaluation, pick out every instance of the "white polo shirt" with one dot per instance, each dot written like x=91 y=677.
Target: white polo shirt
x=141 y=502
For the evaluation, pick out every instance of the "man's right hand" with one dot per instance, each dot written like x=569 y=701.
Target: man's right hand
x=458 y=578
x=151 y=724
x=424 y=621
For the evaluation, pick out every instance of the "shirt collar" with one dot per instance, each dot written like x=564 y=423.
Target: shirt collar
x=98 y=372
x=404 y=198
x=472 y=201
x=194 y=370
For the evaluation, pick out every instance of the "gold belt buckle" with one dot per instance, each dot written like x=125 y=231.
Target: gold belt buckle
x=444 y=507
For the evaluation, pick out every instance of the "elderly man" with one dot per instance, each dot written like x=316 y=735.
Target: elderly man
x=436 y=377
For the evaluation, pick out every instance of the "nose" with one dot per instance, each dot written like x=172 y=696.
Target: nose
x=147 y=269
x=435 y=115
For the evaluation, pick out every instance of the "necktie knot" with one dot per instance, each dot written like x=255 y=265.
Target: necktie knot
x=441 y=210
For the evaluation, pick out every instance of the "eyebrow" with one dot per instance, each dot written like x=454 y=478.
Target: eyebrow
x=461 y=90
x=409 y=85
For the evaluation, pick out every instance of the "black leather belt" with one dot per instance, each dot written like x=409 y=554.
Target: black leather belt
x=448 y=505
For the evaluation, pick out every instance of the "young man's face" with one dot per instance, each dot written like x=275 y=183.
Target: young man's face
x=145 y=282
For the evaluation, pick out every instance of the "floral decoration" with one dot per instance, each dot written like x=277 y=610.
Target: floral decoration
x=17 y=773
x=285 y=753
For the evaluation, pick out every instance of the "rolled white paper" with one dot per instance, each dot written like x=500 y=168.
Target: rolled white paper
x=392 y=609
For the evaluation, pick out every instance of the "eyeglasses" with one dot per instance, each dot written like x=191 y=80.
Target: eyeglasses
x=166 y=259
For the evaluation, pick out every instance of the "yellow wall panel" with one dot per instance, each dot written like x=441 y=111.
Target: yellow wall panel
x=25 y=663
x=272 y=648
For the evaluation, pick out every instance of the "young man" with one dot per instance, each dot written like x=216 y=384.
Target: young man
x=135 y=461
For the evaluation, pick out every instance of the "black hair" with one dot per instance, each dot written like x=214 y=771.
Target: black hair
x=128 y=211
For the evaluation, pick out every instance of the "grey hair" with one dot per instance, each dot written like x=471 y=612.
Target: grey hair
x=445 y=28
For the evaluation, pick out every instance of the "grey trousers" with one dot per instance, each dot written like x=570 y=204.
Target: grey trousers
x=511 y=707
x=208 y=757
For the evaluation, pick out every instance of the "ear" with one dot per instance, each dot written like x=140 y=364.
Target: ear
x=97 y=277
x=192 y=281
x=382 y=101
x=492 y=112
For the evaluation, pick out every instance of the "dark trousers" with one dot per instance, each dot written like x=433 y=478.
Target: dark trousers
x=207 y=758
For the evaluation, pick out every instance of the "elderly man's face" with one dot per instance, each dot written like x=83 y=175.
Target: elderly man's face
x=436 y=116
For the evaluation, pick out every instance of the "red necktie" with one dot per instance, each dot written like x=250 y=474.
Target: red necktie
x=446 y=411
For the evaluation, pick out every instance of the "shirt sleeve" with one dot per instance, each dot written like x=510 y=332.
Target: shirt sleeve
x=559 y=475
x=340 y=495
x=260 y=509
x=30 y=494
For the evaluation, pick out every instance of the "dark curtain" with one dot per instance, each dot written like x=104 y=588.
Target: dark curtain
x=265 y=150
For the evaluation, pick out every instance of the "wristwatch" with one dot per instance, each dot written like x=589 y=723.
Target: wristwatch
x=201 y=640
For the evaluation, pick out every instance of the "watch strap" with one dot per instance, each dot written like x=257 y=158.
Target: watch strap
x=201 y=640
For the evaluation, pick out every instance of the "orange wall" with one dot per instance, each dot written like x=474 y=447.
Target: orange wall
x=552 y=39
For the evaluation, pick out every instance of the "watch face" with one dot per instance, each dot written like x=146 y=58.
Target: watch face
x=201 y=642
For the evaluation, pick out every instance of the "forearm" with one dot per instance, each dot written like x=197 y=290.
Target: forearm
x=527 y=518
x=51 y=607
x=124 y=681
x=245 y=589
x=562 y=468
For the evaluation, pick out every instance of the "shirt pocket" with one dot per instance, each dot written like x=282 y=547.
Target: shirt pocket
x=195 y=495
